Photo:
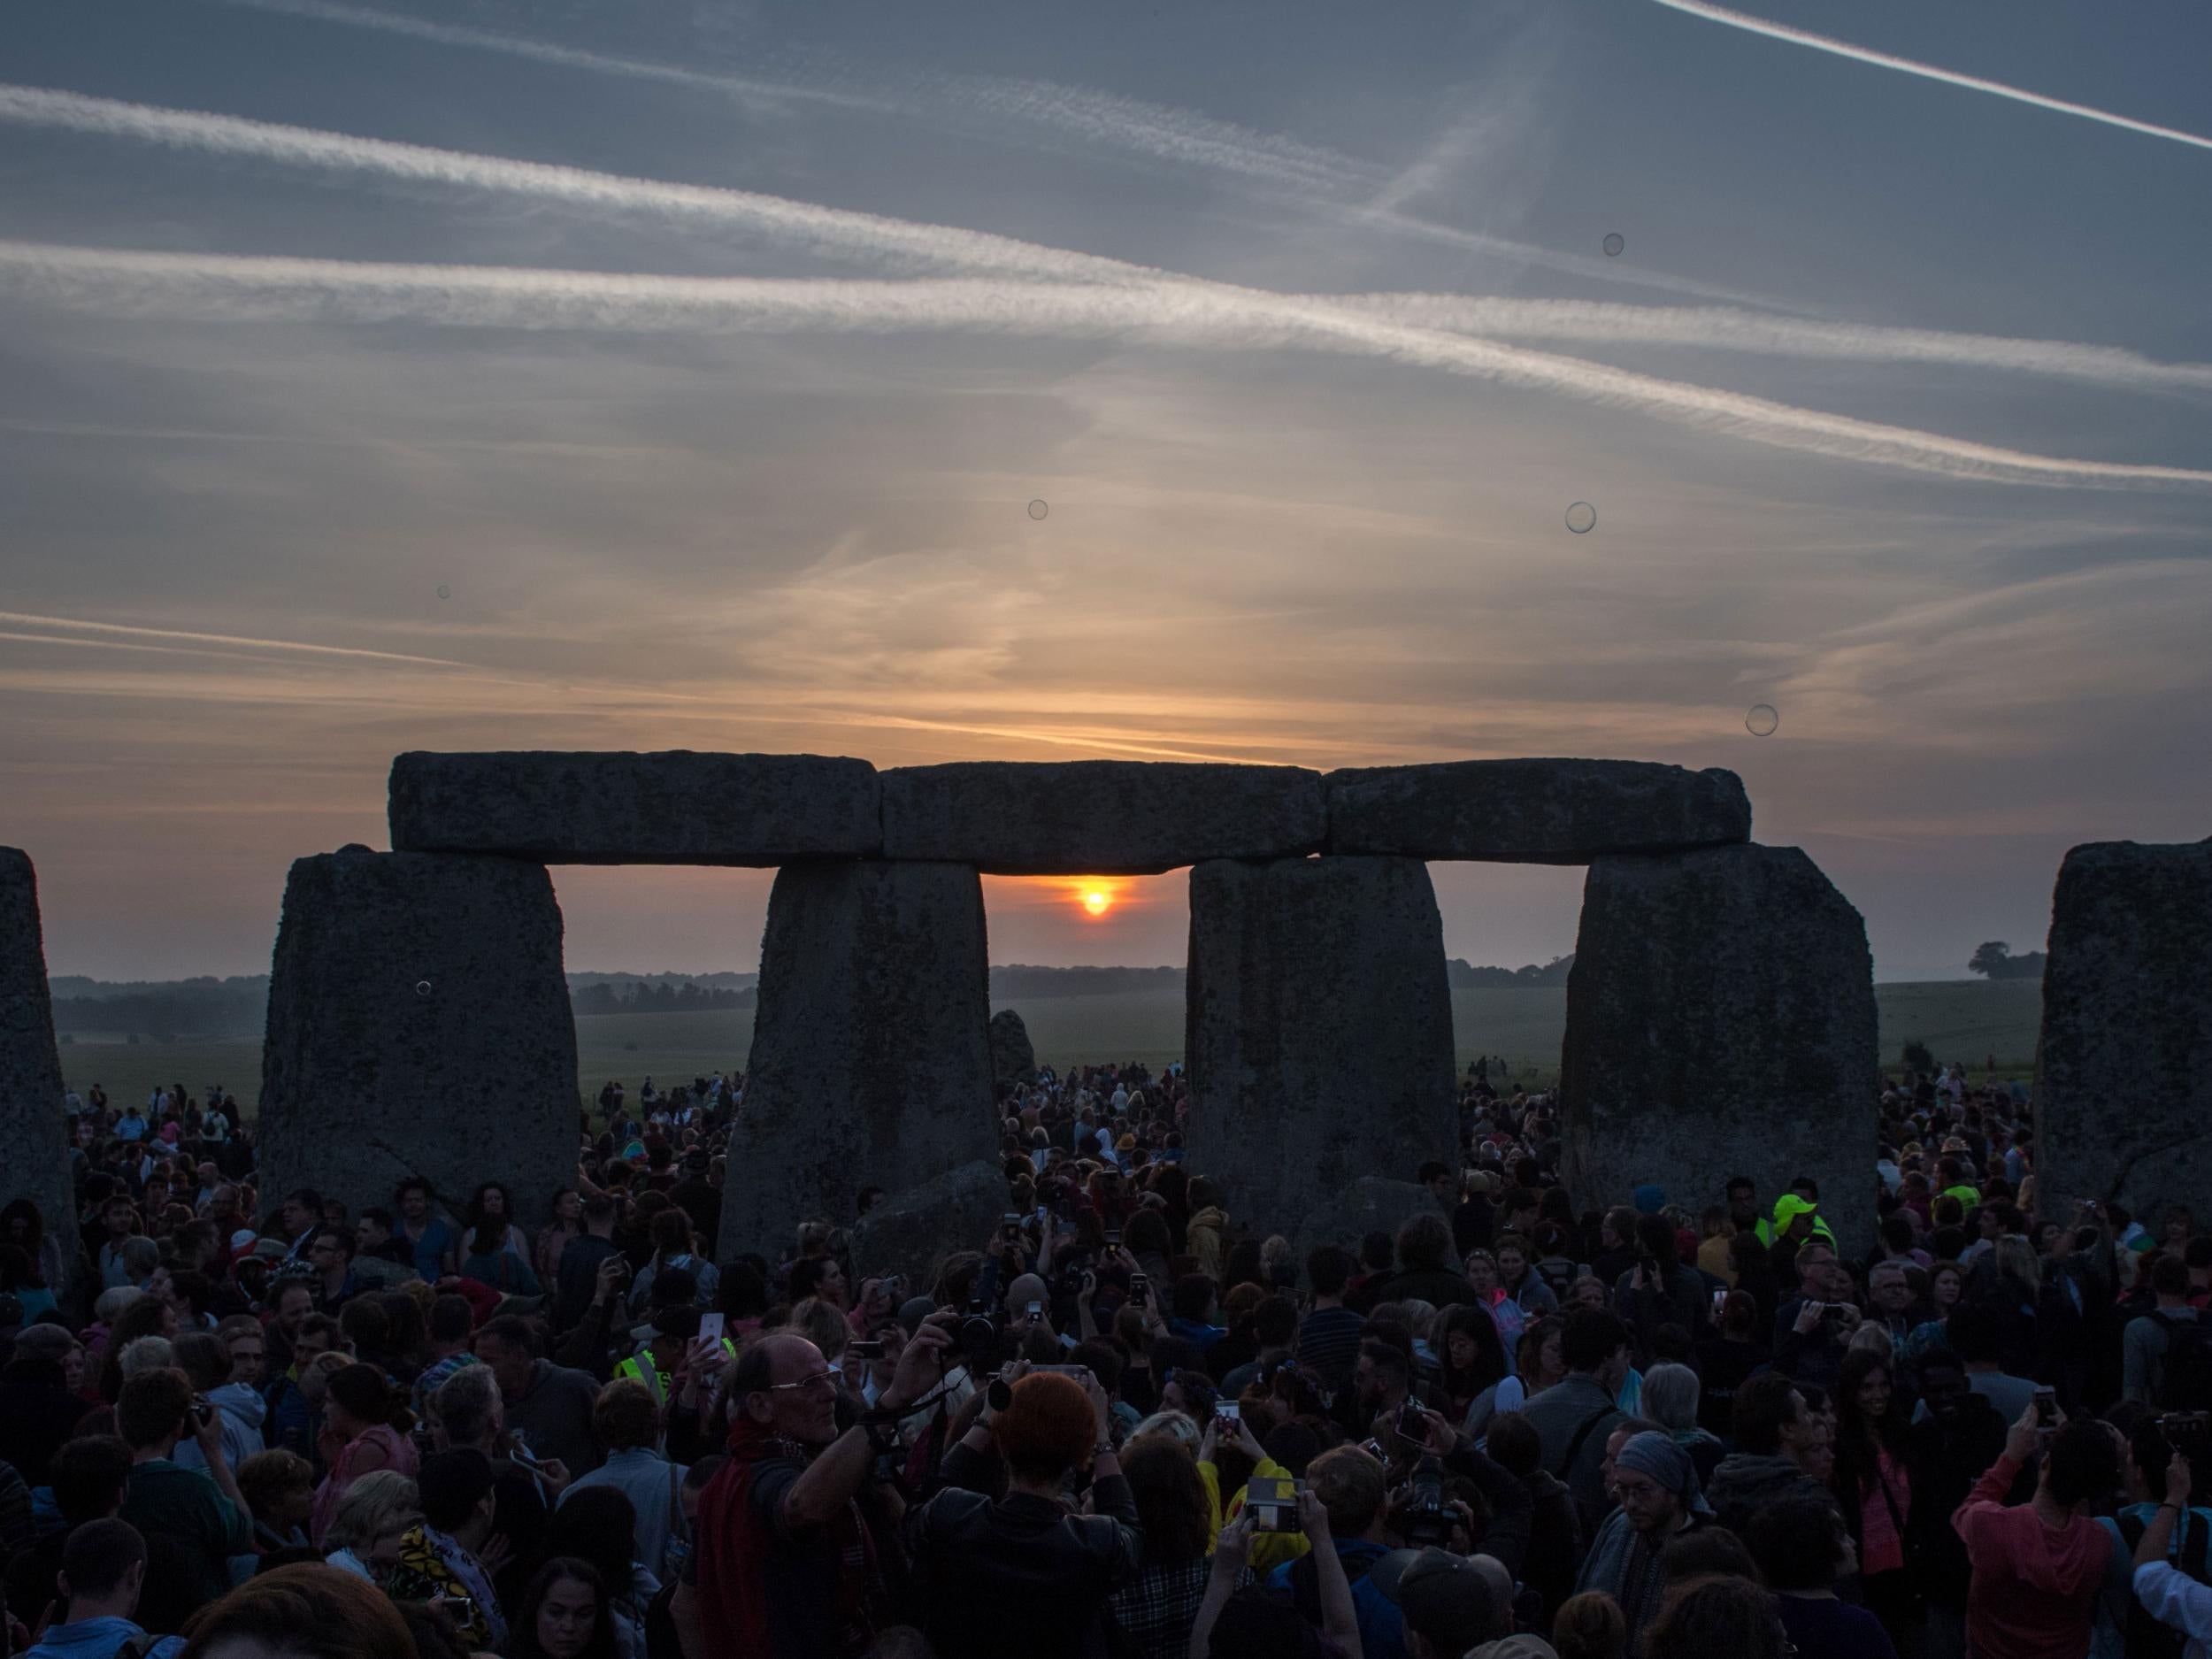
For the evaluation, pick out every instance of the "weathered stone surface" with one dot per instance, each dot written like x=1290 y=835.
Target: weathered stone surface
x=671 y=808
x=33 y=1143
x=1720 y=1021
x=872 y=1050
x=1098 y=817
x=1319 y=1032
x=912 y=1231
x=418 y=1024
x=1373 y=1204
x=2124 y=1076
x=1535 y=811
x=1013 y=1059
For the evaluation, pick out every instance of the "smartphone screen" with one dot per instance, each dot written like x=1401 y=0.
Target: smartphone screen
x=1412 y=1428
x=710 y=1326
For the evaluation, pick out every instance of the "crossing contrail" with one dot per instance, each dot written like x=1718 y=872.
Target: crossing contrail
x=1929 y=72
x=1181 y=311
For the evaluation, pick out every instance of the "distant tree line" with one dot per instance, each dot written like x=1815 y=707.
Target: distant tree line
x=1995 y=960
x=207 y=1008
x=1466 y=978
x=657 y=997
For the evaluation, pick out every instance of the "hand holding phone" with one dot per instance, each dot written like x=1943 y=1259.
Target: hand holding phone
x=711 y=1326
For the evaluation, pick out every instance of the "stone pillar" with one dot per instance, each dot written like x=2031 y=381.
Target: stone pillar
x=1318 y=1035
x=871 y=1063
x=1720 y=1021
x=33 y=1147
x=2124 y=1071
x=418 y=1024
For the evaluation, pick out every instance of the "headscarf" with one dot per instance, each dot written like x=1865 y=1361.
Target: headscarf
x=1656 y=1454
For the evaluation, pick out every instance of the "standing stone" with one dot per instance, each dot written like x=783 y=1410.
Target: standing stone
x=871 y=1053
x=619 y=807
x=1100 y=818
x=33 y=1147
x=2124 y=1076
x=1013 y=1059
x=1535 y=811
x=1720 y=1021
x=418 y=1024
x=1319 y=1033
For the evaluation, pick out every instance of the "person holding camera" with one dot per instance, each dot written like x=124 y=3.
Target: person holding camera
x=1021 y=1575
x=2038 y=1566
x=204 y=1513
x=791 y=1532
x=2175 y=1598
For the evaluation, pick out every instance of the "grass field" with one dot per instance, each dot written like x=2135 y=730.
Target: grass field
x=1966 y=1019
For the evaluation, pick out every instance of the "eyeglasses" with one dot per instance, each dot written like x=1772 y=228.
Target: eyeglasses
x=819 y=1380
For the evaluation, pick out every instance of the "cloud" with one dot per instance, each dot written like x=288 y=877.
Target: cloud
x=1928 y=71
x=1721 y=328
x=1165 y=310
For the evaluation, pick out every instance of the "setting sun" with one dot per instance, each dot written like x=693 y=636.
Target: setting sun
x=1097 y=900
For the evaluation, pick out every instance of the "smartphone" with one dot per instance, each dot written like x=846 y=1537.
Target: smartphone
x=711 y=1326
x=1113 y=1238
x=1720 y=1300
x=1228 y=1412
x=2046 y=1409
x=1273 y=1503
x=1413 y=1429
x=1010 y=1227
x=864 y=1347
x=1140 y=1289
x=1036 y=1312
x=202 y=1411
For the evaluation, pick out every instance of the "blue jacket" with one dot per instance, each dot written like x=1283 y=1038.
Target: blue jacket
x=98 y=1638
x=1382 y=1627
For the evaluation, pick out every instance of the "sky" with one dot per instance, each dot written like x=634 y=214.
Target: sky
x=1054 y=381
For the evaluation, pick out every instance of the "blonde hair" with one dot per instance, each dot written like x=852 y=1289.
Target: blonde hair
x=821 y=1324
x=2017 y=1256
x=376 y=1505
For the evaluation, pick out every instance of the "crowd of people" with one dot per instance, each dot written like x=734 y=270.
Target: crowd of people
x=1128 y=1423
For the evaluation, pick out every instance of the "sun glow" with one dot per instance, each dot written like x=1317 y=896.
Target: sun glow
x=1097 y=900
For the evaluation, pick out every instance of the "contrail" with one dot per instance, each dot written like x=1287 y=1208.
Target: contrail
x=1725 y=328
x=225 y=639
x=1087 y=116
x=1172 y=311
x=1929 y=72
x=824 y=230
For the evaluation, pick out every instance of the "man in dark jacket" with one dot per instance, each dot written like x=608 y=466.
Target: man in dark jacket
x=1775 y=1437
x=1424 y=1265
x=1659 y=1289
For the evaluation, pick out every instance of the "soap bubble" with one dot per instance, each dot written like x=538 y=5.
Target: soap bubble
x=444 y=592
x=422 y=987
x=1037 y=510
x=1582 y=518
x=1761 y=721
x=1614 y=242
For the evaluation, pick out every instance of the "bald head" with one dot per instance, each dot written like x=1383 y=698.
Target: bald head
x=1500 y=1584
x=783 y=1383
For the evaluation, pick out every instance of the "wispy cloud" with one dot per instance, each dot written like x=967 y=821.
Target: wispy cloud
x=1730 y=329
x=1929 y=72
x=1080 y=119
x=1080 y=115
x=1164 y=310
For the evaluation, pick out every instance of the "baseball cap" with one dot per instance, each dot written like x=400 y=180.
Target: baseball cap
x=1446 y=1600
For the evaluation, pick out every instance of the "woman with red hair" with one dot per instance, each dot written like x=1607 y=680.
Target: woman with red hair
x=1025 y=1573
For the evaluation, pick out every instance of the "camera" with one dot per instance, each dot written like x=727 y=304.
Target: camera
x=1425 y=1521
x=1273 y=1502
x=979 y=1335
x=1113 y=1238
x=203 y=1410
x=864 y=1347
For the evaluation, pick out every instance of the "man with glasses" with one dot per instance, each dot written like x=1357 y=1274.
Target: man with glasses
x=330 y=1261
x=1656 y=1488
x=788 y=1563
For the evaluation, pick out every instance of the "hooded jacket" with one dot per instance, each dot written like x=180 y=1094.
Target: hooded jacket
x=1203 y=1239
x=2034 y=1586
x=1745 y=1483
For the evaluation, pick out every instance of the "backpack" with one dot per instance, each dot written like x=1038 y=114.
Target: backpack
x=2184 y=1376
x=2147 y=1639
